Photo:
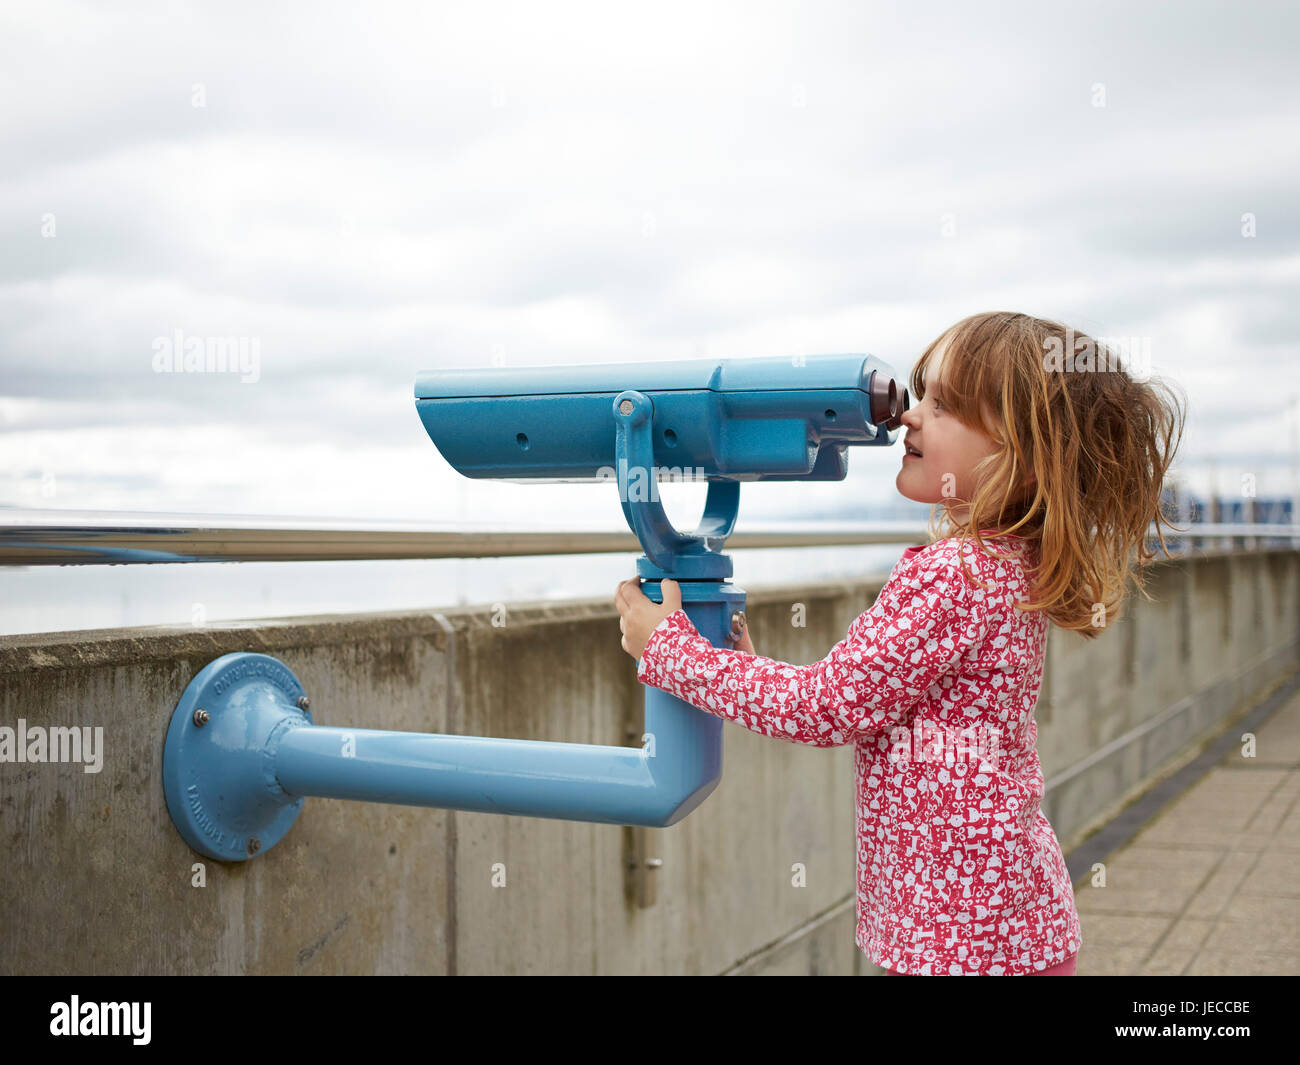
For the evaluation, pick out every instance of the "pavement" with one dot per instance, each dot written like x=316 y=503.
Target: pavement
x=1209 y=886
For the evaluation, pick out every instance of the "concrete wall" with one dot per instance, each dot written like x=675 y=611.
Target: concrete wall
x=97 y=881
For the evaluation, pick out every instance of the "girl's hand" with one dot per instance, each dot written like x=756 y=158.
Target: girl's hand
x=640 y=616
x=744 y=643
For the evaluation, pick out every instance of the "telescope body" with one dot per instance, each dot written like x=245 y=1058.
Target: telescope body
x=767 y=419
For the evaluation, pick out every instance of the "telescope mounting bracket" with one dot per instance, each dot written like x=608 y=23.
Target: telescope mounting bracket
x=668 y=553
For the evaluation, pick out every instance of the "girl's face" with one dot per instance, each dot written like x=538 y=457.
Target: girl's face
x=950 y=450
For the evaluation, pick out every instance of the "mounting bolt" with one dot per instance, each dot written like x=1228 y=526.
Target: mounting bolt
x=200 y=717
x=304 y=703
x=254 y=844
x=625 y=407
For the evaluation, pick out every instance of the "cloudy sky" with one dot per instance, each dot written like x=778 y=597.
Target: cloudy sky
x=367 y=191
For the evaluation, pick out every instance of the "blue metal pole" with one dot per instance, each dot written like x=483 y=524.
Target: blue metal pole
x=530 y=778
x=242 y=754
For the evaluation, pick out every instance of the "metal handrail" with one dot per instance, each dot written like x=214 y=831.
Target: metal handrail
x=52 y=537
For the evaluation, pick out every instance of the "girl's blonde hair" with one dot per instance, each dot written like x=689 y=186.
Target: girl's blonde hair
x=1096 y=440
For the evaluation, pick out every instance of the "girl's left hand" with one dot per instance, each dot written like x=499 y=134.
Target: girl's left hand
x=640 y=614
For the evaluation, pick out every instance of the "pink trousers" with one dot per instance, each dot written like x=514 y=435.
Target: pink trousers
x=1066 y=968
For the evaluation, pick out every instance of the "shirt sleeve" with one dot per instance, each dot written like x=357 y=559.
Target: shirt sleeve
x=926 y=618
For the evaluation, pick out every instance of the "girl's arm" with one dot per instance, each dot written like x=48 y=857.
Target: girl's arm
x=924 y=620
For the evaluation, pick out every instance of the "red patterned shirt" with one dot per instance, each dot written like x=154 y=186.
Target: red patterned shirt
x=959 y=872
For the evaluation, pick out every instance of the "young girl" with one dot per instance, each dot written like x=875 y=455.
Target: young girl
x=1048 y=467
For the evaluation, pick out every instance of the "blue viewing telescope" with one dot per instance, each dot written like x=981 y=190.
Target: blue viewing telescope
x=774 y=419
x=242 y=751
x=724 y=422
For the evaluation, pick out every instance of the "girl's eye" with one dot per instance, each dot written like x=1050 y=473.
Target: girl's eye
x=938 y=405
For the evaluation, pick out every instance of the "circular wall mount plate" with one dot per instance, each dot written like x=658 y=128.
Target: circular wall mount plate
x=218 y=758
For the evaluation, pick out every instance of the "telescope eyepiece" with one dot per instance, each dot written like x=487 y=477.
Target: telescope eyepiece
x=887 y=406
